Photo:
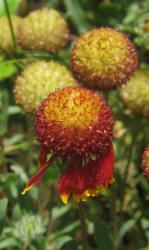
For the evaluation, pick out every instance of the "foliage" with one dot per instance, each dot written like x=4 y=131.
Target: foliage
x=118 y=219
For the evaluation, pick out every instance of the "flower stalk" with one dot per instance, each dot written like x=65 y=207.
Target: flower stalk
x=83 y=226
x=10 y=23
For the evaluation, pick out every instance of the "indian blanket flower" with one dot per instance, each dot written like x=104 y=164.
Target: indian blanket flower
x=103 y=59
x=135 y=94
x=76 y=124
x=43 y=30
x=145 y=162
x=37 y=81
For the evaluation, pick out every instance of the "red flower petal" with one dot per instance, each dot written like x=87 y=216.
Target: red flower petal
x=35 y=179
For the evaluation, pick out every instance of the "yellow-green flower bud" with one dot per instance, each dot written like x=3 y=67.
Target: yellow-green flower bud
x=103 y=59
x=43 y=30
x=135 y=94
x=6 y=41
x=37 y=81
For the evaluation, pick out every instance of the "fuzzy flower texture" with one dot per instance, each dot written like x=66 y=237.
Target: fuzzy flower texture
x=76 y=124
x=103 y=59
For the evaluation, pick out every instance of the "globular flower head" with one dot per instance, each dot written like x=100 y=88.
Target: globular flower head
x=145 y=162
x=43 y=30
x=135 y=94
x=28 y=228
x=6 y=41
x=37 y=81
x=74 y=123
x=103 y=59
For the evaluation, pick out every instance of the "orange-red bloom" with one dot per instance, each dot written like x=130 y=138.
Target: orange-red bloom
x=76 y=124
x=145 y=162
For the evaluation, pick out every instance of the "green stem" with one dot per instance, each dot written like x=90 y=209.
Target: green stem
x=51 y=203
x=10 y=24
x=128 y=166
x=17 y=60
x=83 y=226
x=114 y=216
x=4 y=165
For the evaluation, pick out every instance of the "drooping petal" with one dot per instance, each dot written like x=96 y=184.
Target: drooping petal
x=84 y=181
x=42 y=157
x=99 y=173
x=72 y=182
x=35 y=179
x=104 y=168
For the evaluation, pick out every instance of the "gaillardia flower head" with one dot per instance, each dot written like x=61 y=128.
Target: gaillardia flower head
x=37 y=81
x=76 y=124
x=43 y=30
x=6 y=41
x=103 y=59
x=135 y=94
x=145 y=162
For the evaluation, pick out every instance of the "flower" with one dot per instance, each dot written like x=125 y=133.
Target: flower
x=103 y=59
x=43 y=30
x=6 y=41
x=76 y=124
x=135 y=94
x=145 y=162
x=37 y=81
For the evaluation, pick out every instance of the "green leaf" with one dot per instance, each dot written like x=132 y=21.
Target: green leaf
x=64 y=231
x=13 y=110
x=20 y=172
x=6 y=70
x=13 y=190
x=16 y=214
x=124 y=229
x=13 y=6
x=59 y=211
x=3 y=208
x=72 y=245
x=102 y=235
x=4 y=103
x=77 y=15
x=61 y=241
x=4 y=244
x=52 y=3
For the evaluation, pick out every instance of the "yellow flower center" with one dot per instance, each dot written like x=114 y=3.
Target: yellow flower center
x=76 y=107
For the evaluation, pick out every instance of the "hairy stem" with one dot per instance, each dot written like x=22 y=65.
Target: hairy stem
x=83 y=226
x=10 y=24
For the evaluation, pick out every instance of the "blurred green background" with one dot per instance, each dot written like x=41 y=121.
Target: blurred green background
x=119 y=218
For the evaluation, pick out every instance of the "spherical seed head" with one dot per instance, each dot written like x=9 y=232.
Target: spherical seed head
x=74 y=123
x=37 y=81
x=6 y=41
x=145 y=162
x=43 y=30
x=103 y=59
x=135 y=94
